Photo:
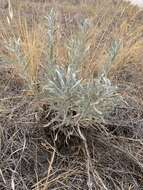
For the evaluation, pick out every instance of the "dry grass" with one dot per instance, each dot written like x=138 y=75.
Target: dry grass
x=23 y=45
x=123 y=25
x=39 y=152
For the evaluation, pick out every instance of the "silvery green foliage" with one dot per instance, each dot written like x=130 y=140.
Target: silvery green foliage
x=21 y=63
x=52 y=27
x=115 y=46
x=76 y=45
x=62 y=91
x=76 y=101
x=77 y=48
x=13 y=45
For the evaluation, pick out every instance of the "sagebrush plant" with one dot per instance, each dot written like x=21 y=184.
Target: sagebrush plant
x=75 y=100
x=67 y=92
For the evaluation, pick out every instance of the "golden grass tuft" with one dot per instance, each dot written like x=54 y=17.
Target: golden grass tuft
x=31 y=46
x=122 y=23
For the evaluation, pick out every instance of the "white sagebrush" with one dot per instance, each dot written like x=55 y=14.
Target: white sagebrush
x=14 y=47
x=74 y=100
x=51 y=30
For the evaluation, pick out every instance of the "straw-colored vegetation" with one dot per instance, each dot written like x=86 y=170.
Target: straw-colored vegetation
x=71 y=95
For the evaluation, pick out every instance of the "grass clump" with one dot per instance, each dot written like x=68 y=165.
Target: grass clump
x=23 y=49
